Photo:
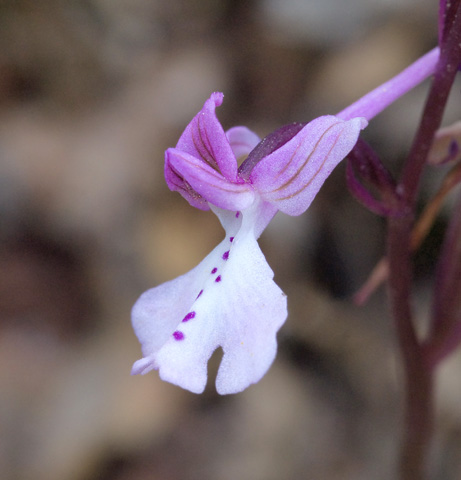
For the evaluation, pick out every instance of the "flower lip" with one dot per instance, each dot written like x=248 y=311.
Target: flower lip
x=181 y=322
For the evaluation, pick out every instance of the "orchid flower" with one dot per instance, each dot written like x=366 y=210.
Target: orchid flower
x=230 y=299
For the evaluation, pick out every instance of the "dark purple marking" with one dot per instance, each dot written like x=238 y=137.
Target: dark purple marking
x=225 y=255
x=189 y=316
x=218 y=279
x=178 y=335
x=267 y=145
x=231 y=239
x=214 y=270
x=237 y=215
x=199 y=293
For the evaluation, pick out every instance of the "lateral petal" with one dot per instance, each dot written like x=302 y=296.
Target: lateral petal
x=242 y=140
x=204 y=138
x=208 y=183
x=291 y=176
x=177 y=183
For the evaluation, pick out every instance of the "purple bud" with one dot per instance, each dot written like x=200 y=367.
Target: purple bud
x=370 y=182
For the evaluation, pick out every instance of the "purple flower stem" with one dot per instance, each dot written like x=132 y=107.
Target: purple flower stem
x=447 y=14
x=433 y=112
x=418 y=377
x=381 y=97
x=418 y=370
x=445 y=334
x=442 y=17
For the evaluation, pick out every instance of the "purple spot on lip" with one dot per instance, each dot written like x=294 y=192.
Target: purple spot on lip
x=189 y=316
x=225 y=255
x=218 y=278
x=178 y=335
x=214 y=270
x=231 y=239
x=201 y=291
x=237 y=215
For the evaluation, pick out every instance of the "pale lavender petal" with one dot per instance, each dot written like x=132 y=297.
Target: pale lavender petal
x=235 y=304
x=204 y=138
x=208 y=183
x=177 y=183
x=291 y=176
x=242 y=140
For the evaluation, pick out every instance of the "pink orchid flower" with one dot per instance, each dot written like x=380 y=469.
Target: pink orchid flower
x=230 y=299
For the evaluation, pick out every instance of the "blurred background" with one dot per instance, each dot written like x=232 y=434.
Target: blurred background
x=91 y=94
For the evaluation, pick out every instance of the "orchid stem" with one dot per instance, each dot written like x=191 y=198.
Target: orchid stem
x=418 y=371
